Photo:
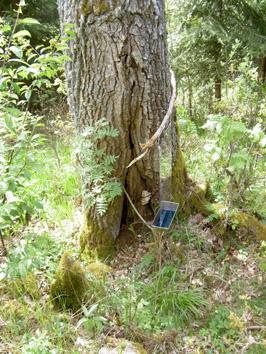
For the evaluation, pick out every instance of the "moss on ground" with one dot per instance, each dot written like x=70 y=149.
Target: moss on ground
x=70 y=284
x=27 y=285
x=99 y=269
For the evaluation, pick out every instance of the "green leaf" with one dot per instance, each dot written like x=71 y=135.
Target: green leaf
x=22 y=33
x=238 y=160
x=17 y=51
x=233 y=130
x=6 y=28
x=28 y=94
x=19 y=61
x=29 y=21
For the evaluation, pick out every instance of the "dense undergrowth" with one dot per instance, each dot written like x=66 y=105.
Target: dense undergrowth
x=208 y=296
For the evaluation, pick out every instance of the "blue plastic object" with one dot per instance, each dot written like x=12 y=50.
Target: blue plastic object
x=165 y=215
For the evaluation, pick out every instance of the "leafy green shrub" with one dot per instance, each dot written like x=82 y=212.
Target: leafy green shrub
x=19 y=142
x=25 y=73
x=237 y=154
x=229 y=149
x=33 y=253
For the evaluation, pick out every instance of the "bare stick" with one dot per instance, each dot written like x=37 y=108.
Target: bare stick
x=163 y=125
x=258 y=327
x=138 y=158
x=152 y=141
x=4 y=253
x=166 y=119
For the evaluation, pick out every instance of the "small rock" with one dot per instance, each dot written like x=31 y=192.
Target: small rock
x=124 y=347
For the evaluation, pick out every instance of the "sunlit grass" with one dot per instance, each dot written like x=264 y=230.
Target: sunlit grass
x=56 y=186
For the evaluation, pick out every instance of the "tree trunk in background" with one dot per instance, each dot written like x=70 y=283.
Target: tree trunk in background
x=217 y=55
x=190 y=96
x=218 y=89
x=263 y=70
x=119 y=71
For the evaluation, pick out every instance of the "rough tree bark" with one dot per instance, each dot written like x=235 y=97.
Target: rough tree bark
x=119 y=71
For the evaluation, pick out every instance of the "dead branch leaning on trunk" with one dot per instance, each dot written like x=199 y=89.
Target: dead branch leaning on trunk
x=162 y=127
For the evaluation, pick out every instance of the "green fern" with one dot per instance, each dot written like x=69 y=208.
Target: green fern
x=96 y=167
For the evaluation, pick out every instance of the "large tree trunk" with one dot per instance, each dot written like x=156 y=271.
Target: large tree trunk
x=119 y=71
x=263 y=70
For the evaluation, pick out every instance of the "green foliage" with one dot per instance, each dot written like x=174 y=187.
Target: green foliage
x=160 y=302
x=228 y=150
x=56 y=186
x=39 y=343
x=100 y=187
x=32 y=254
x=26 y=73
x=18 y=146
x=43 y=11
x=220 y=329
x=91 y=321
x=205 y=41
x=236 y=147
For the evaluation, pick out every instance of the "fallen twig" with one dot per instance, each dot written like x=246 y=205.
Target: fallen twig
x=256 y=327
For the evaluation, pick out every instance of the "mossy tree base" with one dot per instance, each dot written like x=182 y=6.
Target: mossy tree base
x=94 y=241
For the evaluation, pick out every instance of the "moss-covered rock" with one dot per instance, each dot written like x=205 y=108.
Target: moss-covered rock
x=251 y=224
x=70 y=284
x=239 y=220
x=31 y=286
x=99 y=269
x=14 y=310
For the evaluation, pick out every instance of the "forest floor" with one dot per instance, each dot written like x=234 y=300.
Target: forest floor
x=208 y=295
